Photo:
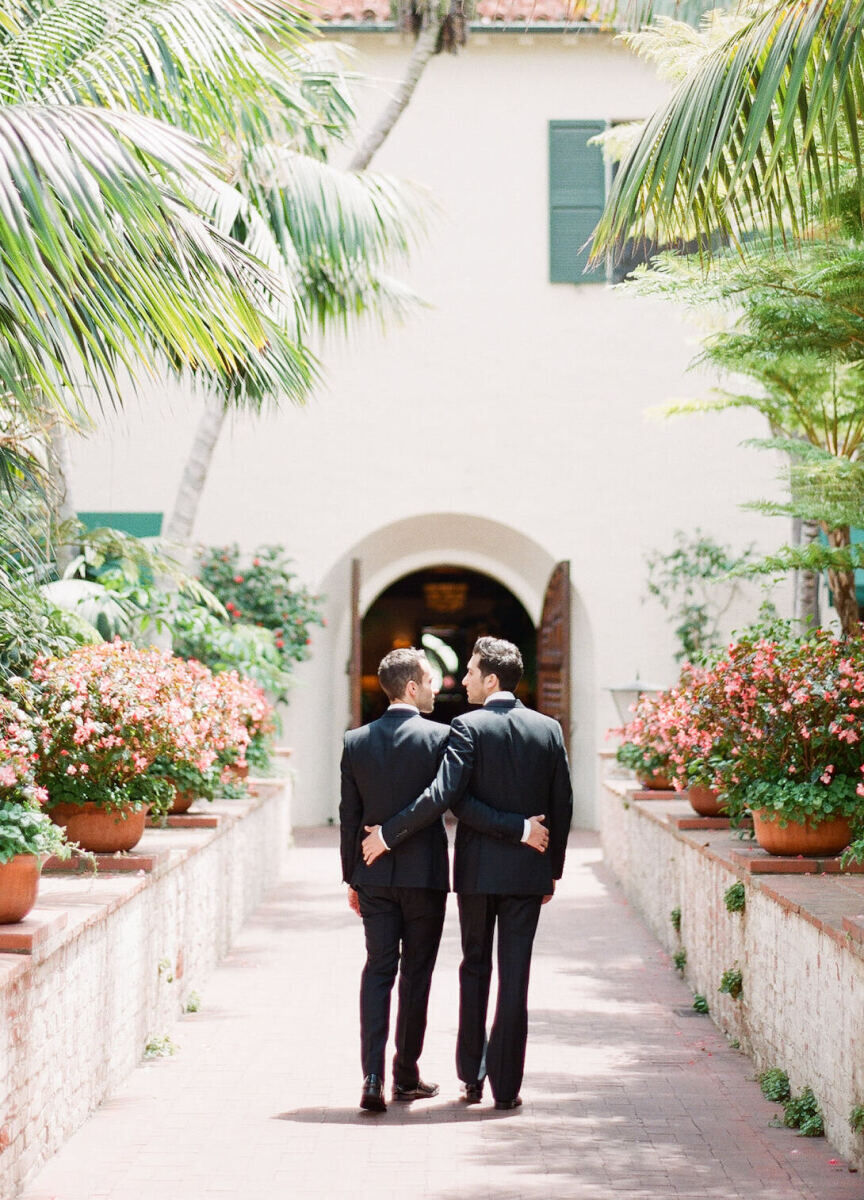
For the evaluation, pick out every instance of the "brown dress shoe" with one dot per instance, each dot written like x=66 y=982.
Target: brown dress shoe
x=421 y=1091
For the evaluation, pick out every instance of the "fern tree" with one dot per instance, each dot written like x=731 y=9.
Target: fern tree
x=795 y=328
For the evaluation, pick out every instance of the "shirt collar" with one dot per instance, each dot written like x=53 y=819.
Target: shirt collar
x=498 y=696
x=403 y=706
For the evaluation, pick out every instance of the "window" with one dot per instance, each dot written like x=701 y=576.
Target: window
x=577 y=194
x=579 y=180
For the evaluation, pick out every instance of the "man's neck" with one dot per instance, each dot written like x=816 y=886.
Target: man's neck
x=397 y=704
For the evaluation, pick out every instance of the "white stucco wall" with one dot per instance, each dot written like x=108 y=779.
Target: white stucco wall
x=508 y=399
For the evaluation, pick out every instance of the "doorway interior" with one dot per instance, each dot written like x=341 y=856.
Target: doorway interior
x=444 y=609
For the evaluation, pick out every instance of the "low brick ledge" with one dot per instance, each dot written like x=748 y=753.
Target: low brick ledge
x=105 y=960
x=817 y=889
x=799 y=942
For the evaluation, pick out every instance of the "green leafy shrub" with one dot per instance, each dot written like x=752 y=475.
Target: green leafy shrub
x=775 y=1085
x=675 y=918
x=735 y=897
x=700 y=1003
x=804 y=1114
x=264 y=592
x=856 y=1119
x=679 y=958
x=732 y=983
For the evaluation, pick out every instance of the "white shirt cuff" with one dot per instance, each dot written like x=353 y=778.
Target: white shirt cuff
x=526 y=832
x=381 y=836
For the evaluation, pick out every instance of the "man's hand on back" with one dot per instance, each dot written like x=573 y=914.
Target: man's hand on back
x=372 y=845
x=354 y=901
x=538 y=838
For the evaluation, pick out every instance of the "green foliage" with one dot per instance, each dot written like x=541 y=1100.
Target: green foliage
x=856 y=1119
x=775 y=1085
x=31 y=627
x=642 y=759
x=250 y=650
x=679 y=960
x=193 y=1003
x=804 y=1114
x=795 y=800
x=762 y=130
x=700 y=1003
x=265 y=592
x=675 y=918
x=185 y=777
x=735 y=897
x=692 y=582
x=160 y=1046
x=26 y=830
x=796 y=335
x=731 y=982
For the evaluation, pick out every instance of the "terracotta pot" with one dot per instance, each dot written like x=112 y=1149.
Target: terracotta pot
x=19 y=885
x=812 y=841
x=182 y=801
x=239 y=770
x=653 y=781
x=97 y=830
x=704 y=801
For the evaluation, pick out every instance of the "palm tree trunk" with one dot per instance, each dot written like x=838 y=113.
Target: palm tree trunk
x=807 y=582
x=424 y=48
x=63 y=511
x=842 y=584
x=182 y=519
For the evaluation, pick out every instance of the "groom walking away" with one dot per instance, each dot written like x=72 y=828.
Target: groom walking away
x=401 y=898
x=512 y=759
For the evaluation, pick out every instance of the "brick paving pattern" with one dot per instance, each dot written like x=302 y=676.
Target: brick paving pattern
x=628 y=1092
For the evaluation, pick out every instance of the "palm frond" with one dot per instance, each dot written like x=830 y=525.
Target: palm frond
x=101 y=263
x=761 y=131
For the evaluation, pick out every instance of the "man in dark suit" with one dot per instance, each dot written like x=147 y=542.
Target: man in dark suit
x=401 y=897
x=512 y=760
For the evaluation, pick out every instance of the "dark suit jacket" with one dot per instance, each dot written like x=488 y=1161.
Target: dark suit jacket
x=502 y=758
x=384 y=765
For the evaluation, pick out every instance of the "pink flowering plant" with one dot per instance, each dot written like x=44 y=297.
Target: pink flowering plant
x=645 y=747
x=24 y=828
x=112 y=712
x=785 y=716
x=249 y=714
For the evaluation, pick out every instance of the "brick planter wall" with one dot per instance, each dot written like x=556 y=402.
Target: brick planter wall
x=112 y=959
x=799 y=945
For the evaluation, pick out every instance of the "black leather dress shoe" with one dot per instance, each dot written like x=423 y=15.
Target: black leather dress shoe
x=372 y=1096
x=422 y=1091
x=516 y=1102
x=472 y=1093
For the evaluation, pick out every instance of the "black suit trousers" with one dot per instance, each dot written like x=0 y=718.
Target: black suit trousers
x=503 y=1057
x=403 y=931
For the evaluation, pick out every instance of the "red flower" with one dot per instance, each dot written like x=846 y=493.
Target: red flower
x=238 y=578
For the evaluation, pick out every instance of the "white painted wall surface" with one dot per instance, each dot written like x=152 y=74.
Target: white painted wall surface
x=509 y=400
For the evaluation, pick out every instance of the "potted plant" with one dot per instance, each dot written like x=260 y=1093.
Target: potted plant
x=109 y=712
x=645 y=748
x=699 y=738
x=27 y=835
x=792 y=709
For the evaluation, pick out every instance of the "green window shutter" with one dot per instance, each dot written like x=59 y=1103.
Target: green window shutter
x=140 y=524
x=577 y=195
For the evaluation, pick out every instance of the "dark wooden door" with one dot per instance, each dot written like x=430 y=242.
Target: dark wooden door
x=553 y=651
x=355 y=658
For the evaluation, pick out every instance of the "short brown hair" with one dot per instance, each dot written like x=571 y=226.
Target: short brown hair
x=497 y=657
x=398 y=668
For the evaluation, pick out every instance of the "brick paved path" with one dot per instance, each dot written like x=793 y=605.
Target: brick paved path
x=627 y=1092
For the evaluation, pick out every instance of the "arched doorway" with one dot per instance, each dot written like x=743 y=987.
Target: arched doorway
x=443 y=609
